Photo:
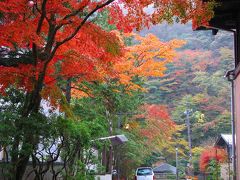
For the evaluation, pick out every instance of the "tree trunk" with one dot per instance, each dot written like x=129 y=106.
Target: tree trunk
x=68 y=90
x=21 y=168
x=31 y=106
x=27 y=148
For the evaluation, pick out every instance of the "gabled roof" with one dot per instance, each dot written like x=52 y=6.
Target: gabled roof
x=163 y=168
x=224 y=138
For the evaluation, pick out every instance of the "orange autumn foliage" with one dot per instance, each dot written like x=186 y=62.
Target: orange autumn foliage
x=138 y=13
x=158 y=123
x=84 y=61
x=46 y=33
x=42 y=41
x=21 y=18
x=211 y=153
x=147 y=58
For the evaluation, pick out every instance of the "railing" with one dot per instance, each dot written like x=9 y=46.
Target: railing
x=165 y=176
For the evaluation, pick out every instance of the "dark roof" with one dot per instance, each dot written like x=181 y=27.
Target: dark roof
x=223 y=140
x=164 y=168
x=226 y=15
x=115 y=140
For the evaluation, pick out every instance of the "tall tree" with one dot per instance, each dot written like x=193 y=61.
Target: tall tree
x=38 y=35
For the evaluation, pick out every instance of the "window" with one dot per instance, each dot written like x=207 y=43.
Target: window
x=144 y=171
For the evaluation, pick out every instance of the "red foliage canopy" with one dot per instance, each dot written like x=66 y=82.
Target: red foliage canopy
x=46 y=33
x=209 y=154
x=159 y=123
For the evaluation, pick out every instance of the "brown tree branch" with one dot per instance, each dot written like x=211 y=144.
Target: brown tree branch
x=43 y=15
x=58 y=44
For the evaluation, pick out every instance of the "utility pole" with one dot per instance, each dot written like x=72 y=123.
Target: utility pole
x=176 y=163
x=187 y=113
x=110 y=158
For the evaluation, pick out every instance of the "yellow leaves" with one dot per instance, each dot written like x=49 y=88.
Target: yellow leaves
x=147 y=58
x=124 y=79
x=176 y=43
x=197 y=151
x=78 y=94
x=131 y=125
x=200 y=117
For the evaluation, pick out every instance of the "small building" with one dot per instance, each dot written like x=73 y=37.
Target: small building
x=165 y=172
x=225 y=141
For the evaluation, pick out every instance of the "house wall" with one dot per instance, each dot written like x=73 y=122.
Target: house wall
x=237 y=122
x=103 y=177
x=1 y=155
x=226 y=171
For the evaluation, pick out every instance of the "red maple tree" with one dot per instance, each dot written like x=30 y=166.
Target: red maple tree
x=158 y=123
x=212 y=153
x=39 y=35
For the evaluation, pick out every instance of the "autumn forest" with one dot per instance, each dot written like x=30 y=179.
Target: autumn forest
x=75 y=74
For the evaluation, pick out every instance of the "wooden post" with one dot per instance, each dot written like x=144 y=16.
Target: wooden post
x=237 y=40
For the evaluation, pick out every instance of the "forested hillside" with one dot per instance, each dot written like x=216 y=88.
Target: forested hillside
x=195 y=81
x=74 y=78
